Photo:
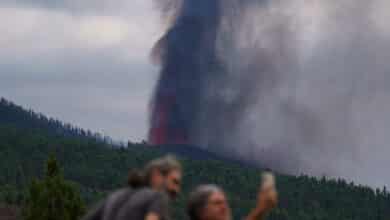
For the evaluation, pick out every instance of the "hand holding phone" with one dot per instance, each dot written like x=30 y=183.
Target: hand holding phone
x=268 y=196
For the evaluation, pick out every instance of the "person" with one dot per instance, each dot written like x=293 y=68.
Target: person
x=209 y=202
x=147 y=195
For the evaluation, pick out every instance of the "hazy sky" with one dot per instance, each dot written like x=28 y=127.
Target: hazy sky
x=84 y=62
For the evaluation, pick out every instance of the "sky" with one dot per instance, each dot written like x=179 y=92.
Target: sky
x=84 y=62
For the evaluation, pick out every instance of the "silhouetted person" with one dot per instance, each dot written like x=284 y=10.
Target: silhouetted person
x=147 y=196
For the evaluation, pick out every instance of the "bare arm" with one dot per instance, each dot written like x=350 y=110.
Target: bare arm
x=257 y=213
x=267 y=200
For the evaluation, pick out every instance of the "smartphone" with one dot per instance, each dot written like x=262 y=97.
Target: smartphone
x=267 y=180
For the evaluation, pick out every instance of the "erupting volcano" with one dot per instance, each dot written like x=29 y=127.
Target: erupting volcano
x=297 y=86
x=187 y=54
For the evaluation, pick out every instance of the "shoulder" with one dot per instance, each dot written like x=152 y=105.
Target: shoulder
x=114 y=201
x=148 y=192
x=151 y=196
x=119 y=193
x=122 y=191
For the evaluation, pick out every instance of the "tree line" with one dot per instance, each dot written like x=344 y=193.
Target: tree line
x=92 y=168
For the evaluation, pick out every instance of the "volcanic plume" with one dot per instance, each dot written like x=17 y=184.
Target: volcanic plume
x=297 y=86
x=187 y=55
x=203 y=91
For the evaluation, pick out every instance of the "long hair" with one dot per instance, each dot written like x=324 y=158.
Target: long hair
x=197 y=200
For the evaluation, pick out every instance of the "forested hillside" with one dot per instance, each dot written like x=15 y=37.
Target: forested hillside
x=98 y=168
x=27 y=119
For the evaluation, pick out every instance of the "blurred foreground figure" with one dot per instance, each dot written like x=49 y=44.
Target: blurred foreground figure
x=147 y=195
x=209 y=202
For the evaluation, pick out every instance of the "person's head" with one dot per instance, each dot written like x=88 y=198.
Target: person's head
x=164 y=174
x=208 y=202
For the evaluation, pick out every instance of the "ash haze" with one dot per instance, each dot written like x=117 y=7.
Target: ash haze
x=330 y=105
x=308 y=79
x=302 y=88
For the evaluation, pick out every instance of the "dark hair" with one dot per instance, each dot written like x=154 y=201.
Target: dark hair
x=198 y=200
x=136 y=179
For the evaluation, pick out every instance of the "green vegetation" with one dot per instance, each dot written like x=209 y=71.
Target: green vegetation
x=99 y=167
x=27 y=119
x=53 y=198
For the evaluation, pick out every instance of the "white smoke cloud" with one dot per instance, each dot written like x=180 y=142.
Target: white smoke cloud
x=303 y=86
x=327 y=112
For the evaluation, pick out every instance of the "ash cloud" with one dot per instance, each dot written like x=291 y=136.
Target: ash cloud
x=298 y=86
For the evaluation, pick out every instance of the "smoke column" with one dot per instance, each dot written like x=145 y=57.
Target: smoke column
x=299 y=86
x=187 y=53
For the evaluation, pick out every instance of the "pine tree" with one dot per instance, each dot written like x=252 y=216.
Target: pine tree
x=53 y=198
